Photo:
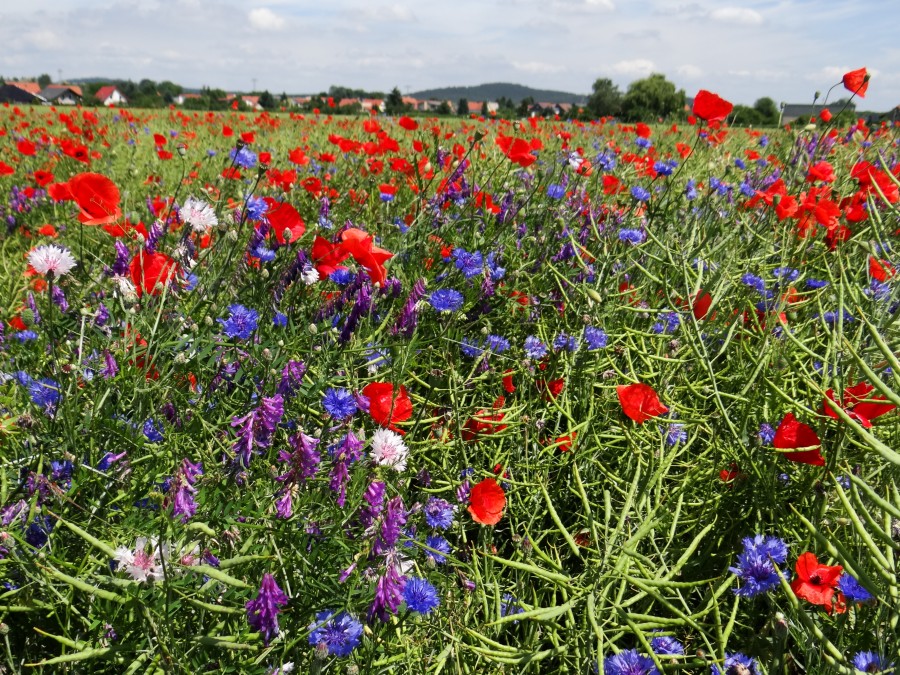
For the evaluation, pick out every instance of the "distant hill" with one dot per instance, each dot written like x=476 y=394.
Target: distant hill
x=496 y=90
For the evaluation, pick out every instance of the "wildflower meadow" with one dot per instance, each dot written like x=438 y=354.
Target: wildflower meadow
x=288 y=392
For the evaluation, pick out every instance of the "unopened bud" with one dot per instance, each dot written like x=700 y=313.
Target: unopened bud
x=28 y=317
x=182 y=149
x=288 y=235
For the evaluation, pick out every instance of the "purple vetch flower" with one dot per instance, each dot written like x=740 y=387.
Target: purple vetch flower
x=361 y=307
x=374 y=498
x=291 y=378
x=120 y=266
x=388 y=591
x=101 y=316
x=153 y=236
x=182 y=489
x=394 y=519
x=262 y=613
x=345 y=452
x=409 y=315
x=59 y=299
x=256 y=428
x=284 y=506
x=110 y=368
x=303 y=459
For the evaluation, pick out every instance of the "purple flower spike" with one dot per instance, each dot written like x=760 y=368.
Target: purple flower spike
x=262 y=613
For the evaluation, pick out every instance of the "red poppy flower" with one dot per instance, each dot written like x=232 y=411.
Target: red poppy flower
x=711 y=107
x=858 y=404
x=817 y=583
x=484 y=422
x=517 y=150
x=794 y=435
x=26 y=147
x=857 y=82
x=508 y=385
x=96 y=195
x=408 y=123
x=486 y=502
x=6 y=169
x=639 y=402
x=284 y=217
x=327 y=257
x=550 y=390
x=387 y=407
x=149 y=269
x=360 y=245
x=564 y=442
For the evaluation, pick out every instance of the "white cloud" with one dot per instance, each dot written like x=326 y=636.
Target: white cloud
x=737 y=15
x=265 y=19
x=43 y=39
x=689 y=71
x=537 y=67
x=634 y=67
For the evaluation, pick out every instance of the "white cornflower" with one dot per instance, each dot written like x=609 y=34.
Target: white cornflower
x=199 y=214
x=389 y=450
x=140 y=564
x=310 y=275
x=51 y=259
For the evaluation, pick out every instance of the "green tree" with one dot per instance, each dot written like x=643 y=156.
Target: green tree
x=393 y=104
x=44 y=80
x=524 y=105
x=651 y=98
x=605 y=100
x=484 y=109
x=462 y=108
x=767 y=110
x=745 y=116
x=267 y=101
x=444 y=108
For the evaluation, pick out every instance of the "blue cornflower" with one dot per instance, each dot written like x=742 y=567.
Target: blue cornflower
x=244 y=157
x=438 y=513
x=256 y=208
x=44 y=393
x=754 y=282
x=629 y=663
x=509 y=604
x=666 y=646
x=643 y=142
x=240 y=323
x=632 y=236
x=497 y=343
x=153 y=430
x=739 y=163
x=639 y=193
x=816 y=283
x=756 y=565
x=594 y=338
x=441 y=548
x=494 y=270
x=788 y=274
x=446 y=300
x=340 y=633
x=747 y=190
x=556 y=191
x=834 y=317
x=341 y=276
x=470 y=347
x=470 y=264
x=766 y=434
x=263 y=253
x=669 y=324
x=690 y=190
x=734 y=660
x=870 y=662
x=339 y=403
x=534 y=348
x=420 y=596
x=676 y=434
x=852 y=589
x=280 y=319
x=25 y=335
x=663 y=169
x=878 y=290
x=567 y=342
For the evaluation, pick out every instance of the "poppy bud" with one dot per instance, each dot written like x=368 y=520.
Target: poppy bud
x=480 y=134
x=182 y=149
x=241 y=144
x=288 y=235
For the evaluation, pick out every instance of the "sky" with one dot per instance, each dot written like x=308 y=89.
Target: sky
x=741 y=49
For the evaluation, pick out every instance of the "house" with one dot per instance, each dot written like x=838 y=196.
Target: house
x=10 y=93
x=251 y=102
x=62 y=94
x=370 y=104
x=30 y=87
x=109 y=95
x=791 y=111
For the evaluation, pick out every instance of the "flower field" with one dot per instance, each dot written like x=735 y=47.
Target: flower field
x=311 y=393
